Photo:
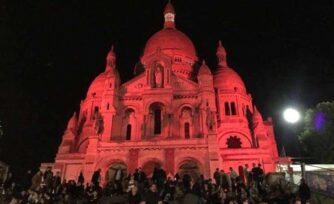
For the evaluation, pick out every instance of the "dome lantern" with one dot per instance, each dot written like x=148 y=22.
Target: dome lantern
x=221 y=55
x=169 y=15
x=111 y=59
x=225 y=77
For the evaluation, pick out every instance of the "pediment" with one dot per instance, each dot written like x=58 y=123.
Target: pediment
x=135 y=85
x=182 y=84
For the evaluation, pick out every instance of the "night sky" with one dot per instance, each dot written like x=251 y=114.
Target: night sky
x=50 y=51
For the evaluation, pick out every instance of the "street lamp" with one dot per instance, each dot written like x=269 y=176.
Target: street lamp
x=291 y=115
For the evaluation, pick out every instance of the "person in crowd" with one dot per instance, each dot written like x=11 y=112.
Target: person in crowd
x=36 y=181
x=134 y=196
x=182 y=190
x=140 y=177
x=118 y=178
x=56 y=181
x=152 y=196
x=217 y=177
x=186 y=182
x=96 y=177
x=161 y=179
x=81 y=178
x=47 y=177
x=258 y=175
x=247 y=174
x=304 y=192
x=131 y=184
x=223 y=180
x=233 y=177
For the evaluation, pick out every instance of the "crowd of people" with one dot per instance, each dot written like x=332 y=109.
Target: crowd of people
x=248 y=186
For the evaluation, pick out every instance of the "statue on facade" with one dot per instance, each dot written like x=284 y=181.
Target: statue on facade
x=210 y=121
x=186 y=113
x=158 y=75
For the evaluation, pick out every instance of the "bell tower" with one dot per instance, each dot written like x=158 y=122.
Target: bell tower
x=110 y=94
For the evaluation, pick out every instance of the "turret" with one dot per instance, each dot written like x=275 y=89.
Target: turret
x=204 y=76
x=72 y=123
x=109 y=98
x=68 y=140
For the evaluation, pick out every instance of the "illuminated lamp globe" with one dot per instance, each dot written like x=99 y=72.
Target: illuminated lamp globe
x=291 y=115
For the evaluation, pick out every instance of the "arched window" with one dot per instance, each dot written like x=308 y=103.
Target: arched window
x=128 y=132
x=233 y=110
x=157 y=121
x=233 y=142
x=96 y=111
x=187 y=130
x=227 y=109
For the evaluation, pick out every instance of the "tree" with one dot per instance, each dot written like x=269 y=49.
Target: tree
x=317 y=137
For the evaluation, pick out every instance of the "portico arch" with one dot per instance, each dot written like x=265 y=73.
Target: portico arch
x=149 y=165
x=191 y=167
x=113 y=167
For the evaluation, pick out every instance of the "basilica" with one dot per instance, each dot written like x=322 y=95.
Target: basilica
x=174 y=114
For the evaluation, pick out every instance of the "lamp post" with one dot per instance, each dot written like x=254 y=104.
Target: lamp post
x=292 y=116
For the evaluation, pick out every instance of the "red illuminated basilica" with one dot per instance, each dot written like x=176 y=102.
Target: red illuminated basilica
x=174 y=114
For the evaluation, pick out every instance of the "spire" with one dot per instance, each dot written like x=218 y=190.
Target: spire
x=111 y=59
x=221 y=55
x=283 y=153
x=169 y=15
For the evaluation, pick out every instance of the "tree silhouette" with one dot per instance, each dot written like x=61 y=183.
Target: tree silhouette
x=317 y=137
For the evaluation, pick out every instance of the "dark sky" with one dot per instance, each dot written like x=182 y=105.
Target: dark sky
x=50 y=51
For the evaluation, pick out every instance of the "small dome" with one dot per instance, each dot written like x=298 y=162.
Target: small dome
x=96 y=88
x=72 y=123
x=204 y=69
x=171 y=42
x=226 y=78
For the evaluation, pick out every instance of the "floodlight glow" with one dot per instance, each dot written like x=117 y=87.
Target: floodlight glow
x=291 y=115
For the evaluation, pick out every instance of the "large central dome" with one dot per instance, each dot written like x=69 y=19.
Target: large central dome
x=170 y=40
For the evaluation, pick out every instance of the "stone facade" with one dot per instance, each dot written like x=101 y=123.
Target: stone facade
x=174 y=113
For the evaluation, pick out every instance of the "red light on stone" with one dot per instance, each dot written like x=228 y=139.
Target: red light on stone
x=163 y=117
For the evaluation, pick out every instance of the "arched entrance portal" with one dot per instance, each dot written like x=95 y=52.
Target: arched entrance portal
x=149 y=166
x=110 y=173
x=191 y=168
